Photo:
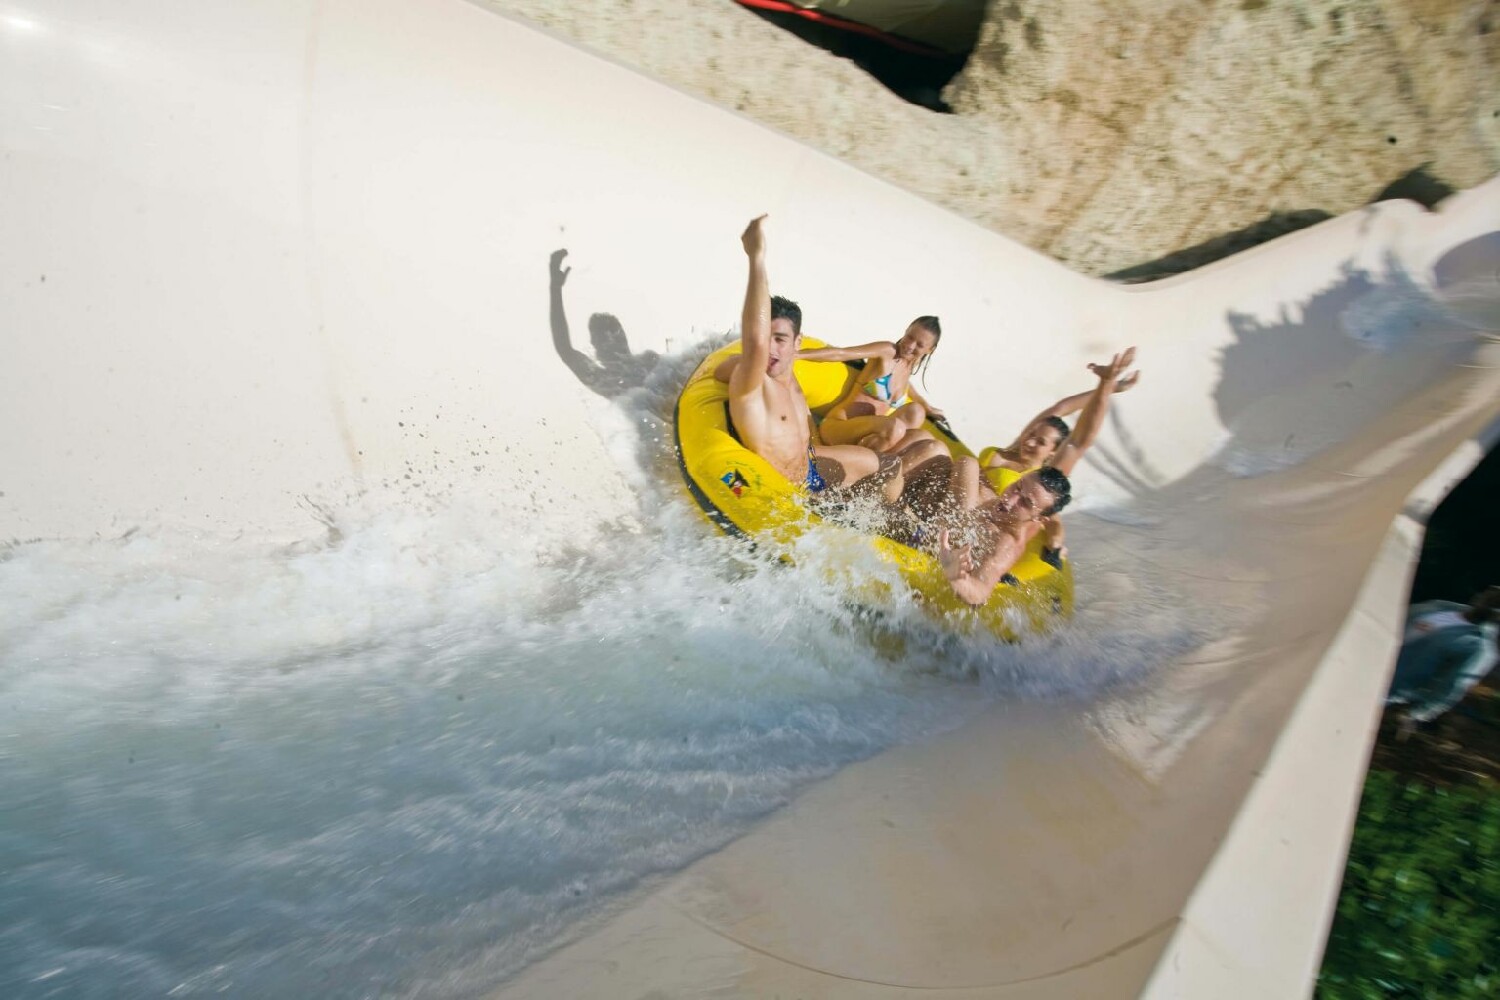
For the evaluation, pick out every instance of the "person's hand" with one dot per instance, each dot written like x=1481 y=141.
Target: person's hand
x=955 y=562
x=1053 y=535
x=753 y=239
x=559 y=273
x=1116 y=367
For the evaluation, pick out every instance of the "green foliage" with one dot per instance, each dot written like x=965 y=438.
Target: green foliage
x=1419 y=914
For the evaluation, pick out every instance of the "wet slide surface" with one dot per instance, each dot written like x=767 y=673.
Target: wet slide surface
x=357 y=635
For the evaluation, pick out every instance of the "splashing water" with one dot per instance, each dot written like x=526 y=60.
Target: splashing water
x=415 y=757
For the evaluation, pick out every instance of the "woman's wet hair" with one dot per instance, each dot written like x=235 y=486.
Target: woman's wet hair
x=934 y=327
x=784 y=308
x=930 y=324
x=1060 y=425
x=1056 y=482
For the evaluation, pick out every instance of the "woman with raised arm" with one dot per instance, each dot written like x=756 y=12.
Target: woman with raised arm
x=883 y=411
x=993 y=527
x=1043 y=435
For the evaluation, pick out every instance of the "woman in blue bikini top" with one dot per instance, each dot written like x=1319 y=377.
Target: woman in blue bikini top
x=884 y=412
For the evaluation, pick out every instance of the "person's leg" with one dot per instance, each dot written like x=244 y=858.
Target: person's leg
x=854 y=423
x=911 y=460
x=914 y=455
x=856 y=472
x=893 y=435
x=912 y=415
x=851 y=430
x=892 y=479
x=926 y=490
x=887 y=432
x=900 y=427
x=845 y=464
x=964 y=482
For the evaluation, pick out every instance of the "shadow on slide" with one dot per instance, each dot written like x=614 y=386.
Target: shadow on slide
x=613 y=369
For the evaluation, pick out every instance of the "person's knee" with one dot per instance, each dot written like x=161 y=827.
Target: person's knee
x=912 y=414
x=917 y=434
x=965 y=482
x=893 y=483
x=884 y=438
x=921 y=453
x=864 y=462
x=852 y=462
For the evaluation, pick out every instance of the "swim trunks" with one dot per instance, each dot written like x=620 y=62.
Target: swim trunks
x=815 y=482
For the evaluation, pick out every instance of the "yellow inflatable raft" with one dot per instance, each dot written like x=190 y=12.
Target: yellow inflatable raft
x=744 y=496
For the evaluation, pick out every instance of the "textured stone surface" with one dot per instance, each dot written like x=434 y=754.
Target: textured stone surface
x=1143 y=126
x=1112 y=134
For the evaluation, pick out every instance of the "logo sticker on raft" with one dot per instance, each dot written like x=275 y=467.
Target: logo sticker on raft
x=734 y=481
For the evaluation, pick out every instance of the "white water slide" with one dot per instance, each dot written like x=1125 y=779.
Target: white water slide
x=278 y=395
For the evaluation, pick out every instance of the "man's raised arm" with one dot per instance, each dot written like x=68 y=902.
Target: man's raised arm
x=1091 y=421
x=755 y=321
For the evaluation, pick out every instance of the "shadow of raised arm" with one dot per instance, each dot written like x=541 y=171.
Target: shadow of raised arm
x=616 y=369
x=589 y=372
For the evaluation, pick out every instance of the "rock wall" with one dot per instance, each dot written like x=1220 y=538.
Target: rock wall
x=1109 y=135
x=1139 y=127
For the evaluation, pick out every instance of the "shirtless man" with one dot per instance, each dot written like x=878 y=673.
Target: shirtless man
x=996 y=528
x=766 y=403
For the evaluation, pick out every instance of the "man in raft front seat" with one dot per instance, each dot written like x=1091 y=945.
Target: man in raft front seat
x=766 y=403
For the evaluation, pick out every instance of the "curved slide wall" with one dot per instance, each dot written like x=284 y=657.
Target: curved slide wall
x=260 y=253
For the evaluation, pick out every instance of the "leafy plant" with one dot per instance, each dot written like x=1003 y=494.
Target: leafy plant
x=1419 y=913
